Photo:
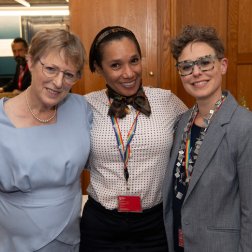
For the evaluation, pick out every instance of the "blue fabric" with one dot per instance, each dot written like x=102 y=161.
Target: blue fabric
x=40 y=167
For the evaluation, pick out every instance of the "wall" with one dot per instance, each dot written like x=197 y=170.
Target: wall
x=9 y=29
x=26 y=27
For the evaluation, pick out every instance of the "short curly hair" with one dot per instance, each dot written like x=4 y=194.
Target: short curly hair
x=196 y=33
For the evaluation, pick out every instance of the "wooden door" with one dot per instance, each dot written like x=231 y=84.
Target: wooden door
x=87 y=18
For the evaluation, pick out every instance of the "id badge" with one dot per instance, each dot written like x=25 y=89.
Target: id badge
x=129 y=203
x=180 y=236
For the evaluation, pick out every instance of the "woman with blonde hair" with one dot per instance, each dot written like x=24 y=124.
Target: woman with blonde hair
x=45 y=142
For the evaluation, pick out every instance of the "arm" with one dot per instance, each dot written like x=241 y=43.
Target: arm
x=8 y=87
x=179 y=109
x=244 y=168
x=13 y=84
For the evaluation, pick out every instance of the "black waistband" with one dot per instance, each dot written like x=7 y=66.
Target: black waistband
x=145 y=213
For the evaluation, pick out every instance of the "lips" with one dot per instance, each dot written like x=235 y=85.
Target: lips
x=52 y=92
x=128 y=83
x=199 y=83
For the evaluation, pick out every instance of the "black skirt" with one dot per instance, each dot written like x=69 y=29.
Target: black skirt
x=110 y=230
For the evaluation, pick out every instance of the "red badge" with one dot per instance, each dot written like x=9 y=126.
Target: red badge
x=181 y=242
x=129 y=204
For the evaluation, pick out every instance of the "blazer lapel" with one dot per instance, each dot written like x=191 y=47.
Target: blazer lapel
x=213 y=137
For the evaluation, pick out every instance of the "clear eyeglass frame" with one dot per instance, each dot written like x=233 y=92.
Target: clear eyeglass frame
x=178 y=65
x=51 y=75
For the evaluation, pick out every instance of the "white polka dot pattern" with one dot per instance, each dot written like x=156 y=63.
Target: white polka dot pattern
x=149 y=148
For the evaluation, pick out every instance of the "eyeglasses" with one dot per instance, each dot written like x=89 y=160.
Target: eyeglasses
x=52 y=71
x=204 y=63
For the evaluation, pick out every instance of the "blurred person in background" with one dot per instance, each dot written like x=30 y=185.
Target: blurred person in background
x=22 y=77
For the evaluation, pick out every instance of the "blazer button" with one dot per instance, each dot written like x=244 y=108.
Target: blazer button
x=186 y=221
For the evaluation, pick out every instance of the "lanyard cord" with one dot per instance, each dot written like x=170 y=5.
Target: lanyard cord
x=21 y=74
x=124 y=154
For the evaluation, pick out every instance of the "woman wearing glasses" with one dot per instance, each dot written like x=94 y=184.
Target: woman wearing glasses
x=45 y=142
x=208 y=190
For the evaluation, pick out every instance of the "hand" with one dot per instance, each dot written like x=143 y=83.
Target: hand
x=16 y=91
x=1 y=90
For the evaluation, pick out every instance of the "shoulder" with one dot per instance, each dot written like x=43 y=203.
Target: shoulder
x=154 y=93
x=237 y=113
x=160 y=94
x=166 y=99
x=76 y=105
x=74 y=100
x=97 y=97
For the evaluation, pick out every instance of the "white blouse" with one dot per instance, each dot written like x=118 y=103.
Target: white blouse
x=149 y=148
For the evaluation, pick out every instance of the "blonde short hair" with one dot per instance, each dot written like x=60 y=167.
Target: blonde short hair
x=58 y=40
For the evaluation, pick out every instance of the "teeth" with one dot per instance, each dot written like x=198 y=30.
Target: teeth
x=49 y=90
x=199 y=83
x=128 y=84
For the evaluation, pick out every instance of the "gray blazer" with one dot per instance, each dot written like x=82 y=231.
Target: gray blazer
x=216 y=215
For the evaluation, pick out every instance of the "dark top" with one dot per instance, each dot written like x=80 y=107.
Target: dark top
x=177 y=203
x=13 y=84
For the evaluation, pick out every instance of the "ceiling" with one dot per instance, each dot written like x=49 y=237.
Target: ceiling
x=33 y=3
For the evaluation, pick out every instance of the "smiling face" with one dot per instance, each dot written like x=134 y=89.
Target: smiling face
x=203 y=85
x=121 y=66
x=46 y=91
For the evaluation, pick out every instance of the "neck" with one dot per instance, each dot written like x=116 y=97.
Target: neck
x=204 y=106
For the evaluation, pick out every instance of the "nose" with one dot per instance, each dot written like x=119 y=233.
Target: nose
x=196 y=70
x=128 y=72
x=58 y=80
x=15 y=54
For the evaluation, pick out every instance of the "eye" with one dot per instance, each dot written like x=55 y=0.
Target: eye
x=186 y=66
x=115 y=65
x=69 y=75
x=135 y=60
x=205 y=62
x=51 y=69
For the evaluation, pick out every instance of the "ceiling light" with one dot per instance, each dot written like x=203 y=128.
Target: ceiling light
x=34 y=11
x=23 y=2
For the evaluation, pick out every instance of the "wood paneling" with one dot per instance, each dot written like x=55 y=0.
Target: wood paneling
x=244 y=26
x=244 y=58
x=244 y=77
x=164 y=33
x=232 y=46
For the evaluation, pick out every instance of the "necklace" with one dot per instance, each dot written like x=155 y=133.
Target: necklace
x=187 y=155
x=40 y=120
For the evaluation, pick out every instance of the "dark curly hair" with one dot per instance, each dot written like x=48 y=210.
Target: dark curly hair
x=196 y=33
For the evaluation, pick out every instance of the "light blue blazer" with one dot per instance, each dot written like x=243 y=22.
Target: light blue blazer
x=216 y=215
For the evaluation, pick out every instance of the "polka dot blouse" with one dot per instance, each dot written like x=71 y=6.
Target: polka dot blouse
x=149 y=149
